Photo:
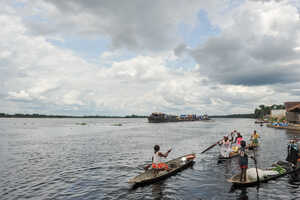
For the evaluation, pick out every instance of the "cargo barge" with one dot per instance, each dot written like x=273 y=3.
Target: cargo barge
x=162 y=117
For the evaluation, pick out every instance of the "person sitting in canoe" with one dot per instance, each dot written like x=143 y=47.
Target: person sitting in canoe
x=156 y=159
x=238 y=139
x=243 y=161
x=225 y=147
x=232 y=135
x=254 y=138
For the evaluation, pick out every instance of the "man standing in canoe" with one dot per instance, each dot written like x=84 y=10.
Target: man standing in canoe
x=156 y=159
x=243 y=161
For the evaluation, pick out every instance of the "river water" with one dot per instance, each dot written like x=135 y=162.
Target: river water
x=63 y=159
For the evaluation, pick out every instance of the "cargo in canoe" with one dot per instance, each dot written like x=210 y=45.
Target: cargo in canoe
x=235 y=152
x=252 y=146
x=154 y=175
x=283 y=168
x=231 y=155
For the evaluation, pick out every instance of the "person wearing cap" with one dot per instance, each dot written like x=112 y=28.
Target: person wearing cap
x=156 y=159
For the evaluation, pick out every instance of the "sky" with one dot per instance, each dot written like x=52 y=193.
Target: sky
x=99 y=57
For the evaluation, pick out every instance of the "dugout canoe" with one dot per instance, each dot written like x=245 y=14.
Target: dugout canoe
x=154 y=175
x=231 y=155
x=252 y=146
x=288 y=169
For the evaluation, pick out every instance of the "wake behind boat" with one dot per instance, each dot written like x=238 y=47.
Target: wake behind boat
x=154 y=175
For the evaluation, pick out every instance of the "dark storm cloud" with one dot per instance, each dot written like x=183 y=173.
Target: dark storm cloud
x=136 y=25
x=257 y=49
x=180 y=49
x=266 y=0
x=232 y=61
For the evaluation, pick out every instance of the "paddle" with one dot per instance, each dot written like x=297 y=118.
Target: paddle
x=254 y=158
x=208 y=148
x=147 y=167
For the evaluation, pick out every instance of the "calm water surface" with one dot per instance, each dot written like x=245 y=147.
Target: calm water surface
x=59 y=159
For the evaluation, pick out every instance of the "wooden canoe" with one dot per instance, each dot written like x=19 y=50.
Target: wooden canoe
x=154 y=175
x=252 y=146
x=236 y=153
x=231 y=155
x=235 y=180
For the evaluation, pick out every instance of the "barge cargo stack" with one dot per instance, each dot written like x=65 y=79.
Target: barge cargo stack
x=162 y=117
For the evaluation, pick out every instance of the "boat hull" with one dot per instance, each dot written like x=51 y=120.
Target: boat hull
x=154 y=175
x=237 y=183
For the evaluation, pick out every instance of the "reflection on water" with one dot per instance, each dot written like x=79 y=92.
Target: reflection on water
x=157 y=190
x=61 y=159
x=243 y=195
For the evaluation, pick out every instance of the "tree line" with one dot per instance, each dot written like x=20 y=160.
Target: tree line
x=263 y=110
x=19 y=115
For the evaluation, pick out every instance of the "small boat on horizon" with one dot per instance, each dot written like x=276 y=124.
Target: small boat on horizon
x=158 y=117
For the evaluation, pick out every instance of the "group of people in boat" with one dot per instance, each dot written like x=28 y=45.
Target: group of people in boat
x=232 y=144
x=235 y=143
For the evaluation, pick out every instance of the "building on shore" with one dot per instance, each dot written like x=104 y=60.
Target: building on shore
x=292 y=112
x=279 y=114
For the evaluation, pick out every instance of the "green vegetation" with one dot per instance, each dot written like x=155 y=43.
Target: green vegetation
x=118 y=124
x=233 y=116
x=263 y=110
x=83 y=123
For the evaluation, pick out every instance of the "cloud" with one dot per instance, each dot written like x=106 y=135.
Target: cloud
x=253 y=60
x=134 y=25
x=41 y=77
x=258 y=48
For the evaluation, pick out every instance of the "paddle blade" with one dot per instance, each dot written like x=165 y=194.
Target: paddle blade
x=210 y=147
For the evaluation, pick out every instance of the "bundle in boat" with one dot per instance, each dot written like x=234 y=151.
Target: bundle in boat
x=277 y=170
x=153 y=175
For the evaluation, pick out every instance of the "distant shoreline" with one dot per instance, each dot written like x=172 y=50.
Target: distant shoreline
x=4 y=115
x=251 y=116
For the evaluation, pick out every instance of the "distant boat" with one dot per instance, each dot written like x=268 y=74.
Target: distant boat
x=162 y=117
x=261 y=121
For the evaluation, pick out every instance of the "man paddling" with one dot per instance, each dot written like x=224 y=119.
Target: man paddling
x=156 y=159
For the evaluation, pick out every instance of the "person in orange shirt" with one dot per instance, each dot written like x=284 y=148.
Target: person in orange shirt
x=156 y=159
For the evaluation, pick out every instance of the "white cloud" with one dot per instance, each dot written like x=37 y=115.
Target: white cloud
x=255 y=55
x=22 y=95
